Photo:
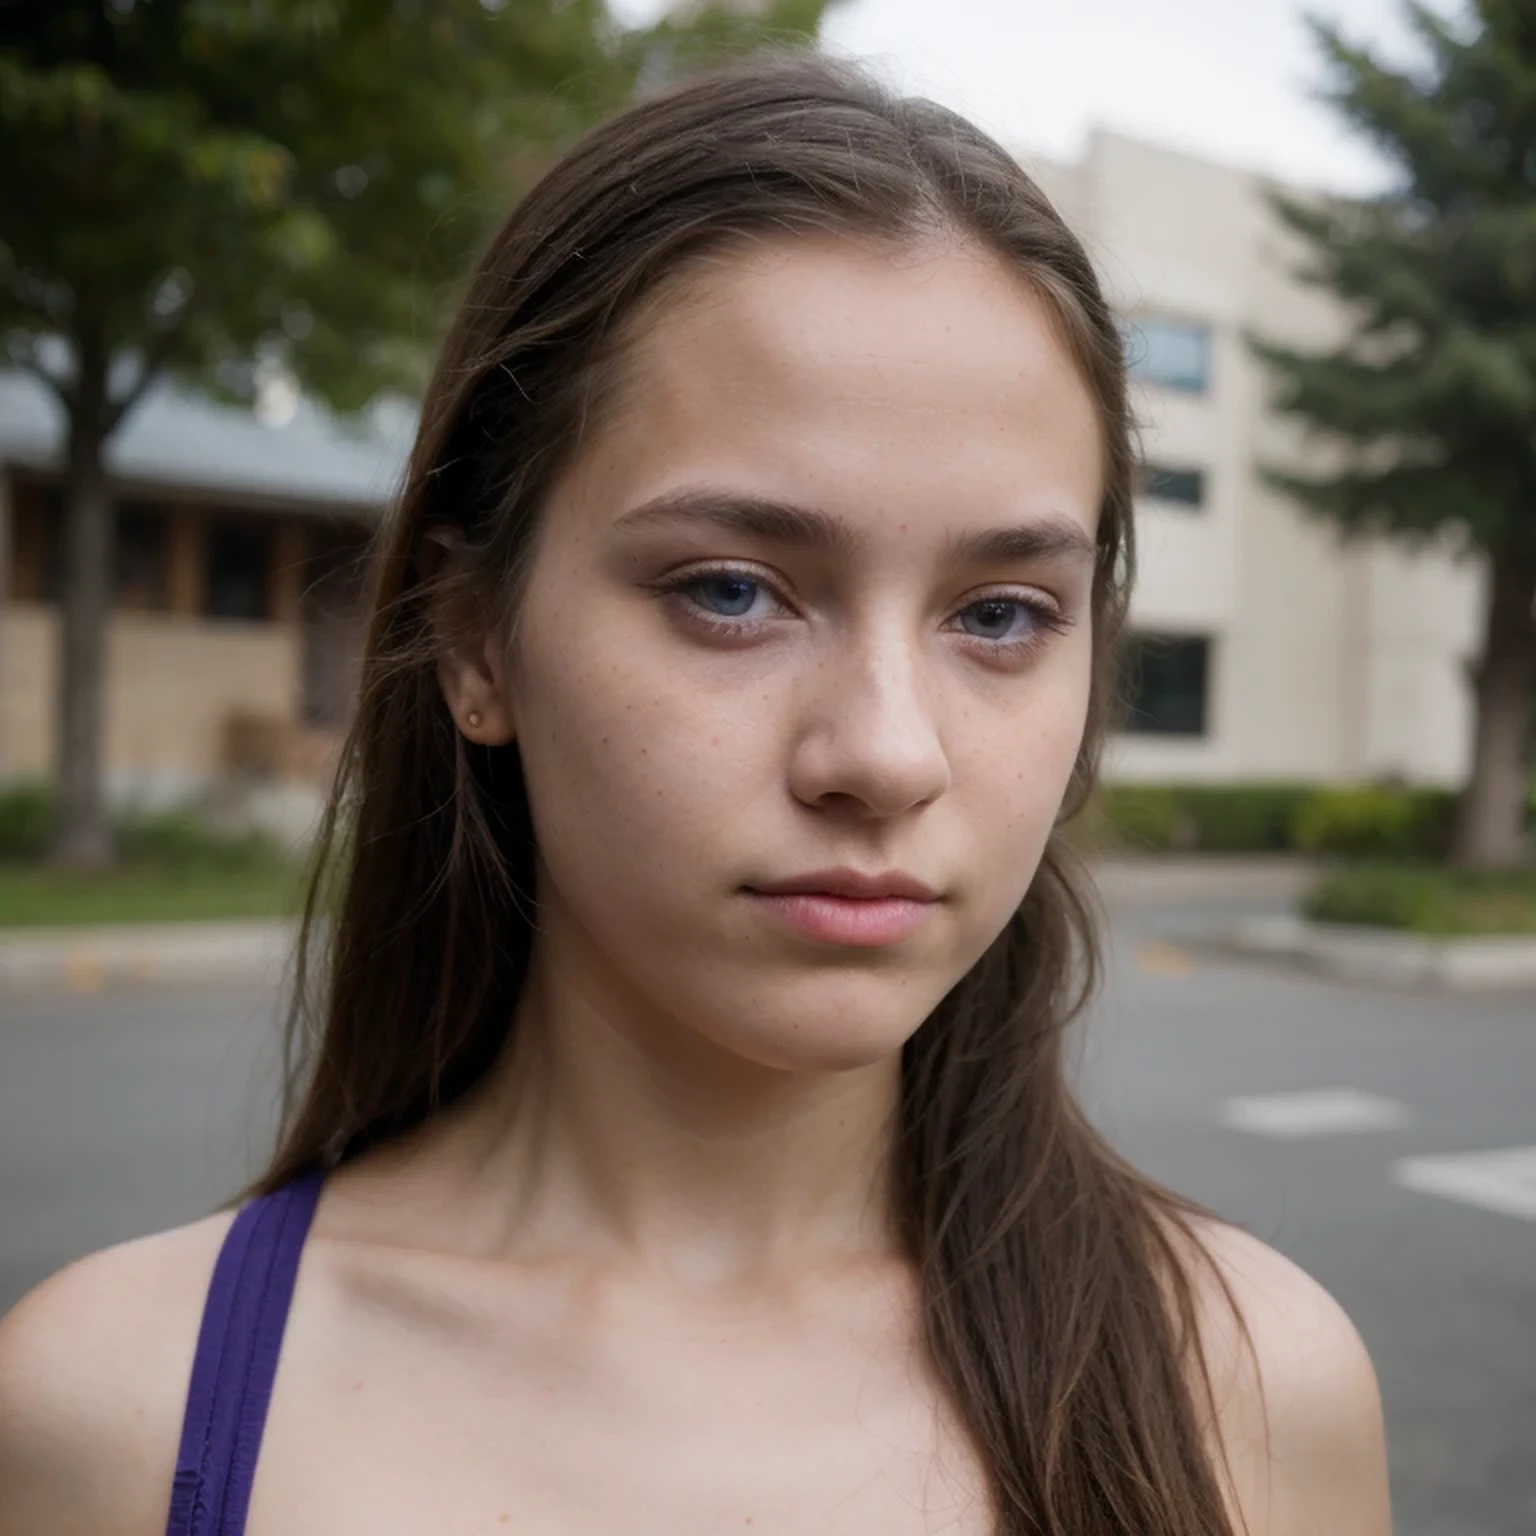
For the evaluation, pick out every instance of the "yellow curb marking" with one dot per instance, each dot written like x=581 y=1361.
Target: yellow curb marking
x=84 y=971
x=1164 y=960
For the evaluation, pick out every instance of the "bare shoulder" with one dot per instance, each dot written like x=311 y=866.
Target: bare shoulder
x=94 y=1366
x=1296 y=1398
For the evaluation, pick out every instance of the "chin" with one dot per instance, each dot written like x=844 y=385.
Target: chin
x=826 y=1024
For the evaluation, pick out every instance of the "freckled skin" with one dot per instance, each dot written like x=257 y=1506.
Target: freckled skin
x=909 y=397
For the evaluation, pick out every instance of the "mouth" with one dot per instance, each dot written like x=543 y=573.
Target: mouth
x=850 y=885
x=847 y=907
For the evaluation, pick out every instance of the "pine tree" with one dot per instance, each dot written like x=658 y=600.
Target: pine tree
x=1433 y=394
x=211 y=188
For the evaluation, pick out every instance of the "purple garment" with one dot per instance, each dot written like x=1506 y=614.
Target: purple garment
x=236 y=1360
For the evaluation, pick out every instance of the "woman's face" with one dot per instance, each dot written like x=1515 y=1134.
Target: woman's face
x=815 y=598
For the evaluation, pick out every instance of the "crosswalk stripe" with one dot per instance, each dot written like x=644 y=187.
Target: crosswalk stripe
x=1315 y=1112
x=1502 y=1180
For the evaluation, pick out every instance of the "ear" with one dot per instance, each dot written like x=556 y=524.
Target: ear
x=473 y=680
x=472 y=663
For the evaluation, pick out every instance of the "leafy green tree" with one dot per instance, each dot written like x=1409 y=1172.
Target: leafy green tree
x=1433 y=394
x=213 y=188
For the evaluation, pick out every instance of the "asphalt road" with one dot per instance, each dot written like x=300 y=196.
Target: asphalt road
x=1443 y=1290
x=126 y=1112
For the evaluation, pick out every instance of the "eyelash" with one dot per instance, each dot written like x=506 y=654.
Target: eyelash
x=1047 y=620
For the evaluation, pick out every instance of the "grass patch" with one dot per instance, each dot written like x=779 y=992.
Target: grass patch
x=1427 y=899
x=174 y=866
x=34 y=897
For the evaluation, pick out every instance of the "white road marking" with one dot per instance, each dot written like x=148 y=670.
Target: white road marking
x=1316 y=1112
x=1502 y=1181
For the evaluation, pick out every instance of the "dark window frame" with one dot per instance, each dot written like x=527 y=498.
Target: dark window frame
x=1172 y=485
x=222 y=534
x=1178 y=670
x=132 y=515
x=137 y=517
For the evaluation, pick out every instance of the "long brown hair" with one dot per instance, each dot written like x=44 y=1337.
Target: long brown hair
x=1059 y=1300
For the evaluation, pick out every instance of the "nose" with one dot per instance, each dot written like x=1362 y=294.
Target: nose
x=869 y=740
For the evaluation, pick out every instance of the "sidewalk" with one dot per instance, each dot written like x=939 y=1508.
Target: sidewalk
x=1222 y=879
x=1382 y=957
x=92 y=957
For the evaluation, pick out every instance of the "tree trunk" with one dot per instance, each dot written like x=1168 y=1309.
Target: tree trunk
x=1490 y=822
x=82 y=832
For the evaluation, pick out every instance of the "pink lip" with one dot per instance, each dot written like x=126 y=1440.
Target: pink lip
x=842 y=906
x=851 y=883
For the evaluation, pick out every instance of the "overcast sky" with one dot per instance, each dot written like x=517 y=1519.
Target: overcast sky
x=1228 y=79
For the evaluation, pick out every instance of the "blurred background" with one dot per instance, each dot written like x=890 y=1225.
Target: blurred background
x=230 y=234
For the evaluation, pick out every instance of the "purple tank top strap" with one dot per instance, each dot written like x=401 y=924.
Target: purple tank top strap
x=236 y=1360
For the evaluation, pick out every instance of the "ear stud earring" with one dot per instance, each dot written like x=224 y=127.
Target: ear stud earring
x=474 y=719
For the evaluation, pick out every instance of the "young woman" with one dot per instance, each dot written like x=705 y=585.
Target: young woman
x=682 y=1143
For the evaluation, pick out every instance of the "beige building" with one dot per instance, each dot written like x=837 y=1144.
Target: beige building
x=1265 y=649
x=233 y=643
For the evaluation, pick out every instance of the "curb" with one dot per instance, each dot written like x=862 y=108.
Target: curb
x=89 y=959
x=92 y=958
x=1383 y=956
x=1211 y=878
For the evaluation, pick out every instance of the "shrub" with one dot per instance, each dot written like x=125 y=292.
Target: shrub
x=169 y=839
x=26 y=820
x=1205 y=818
x=182 y=839
x=1139 y=816
x=1371 y=821
x=1352 y=821
x=1426 y=899
x=1244 y=818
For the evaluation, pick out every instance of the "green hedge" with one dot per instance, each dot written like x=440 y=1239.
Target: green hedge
x=1196 y=818
x=1366 y=821
x=1426 y=899
x=1351 y=821
x=182 y=840
x=26 y=816
x=1249 y=818
x=177 y=840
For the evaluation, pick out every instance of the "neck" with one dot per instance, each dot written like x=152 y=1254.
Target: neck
x=599 y=1130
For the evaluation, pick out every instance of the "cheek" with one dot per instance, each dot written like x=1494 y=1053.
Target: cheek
x=629 y=779
x=1019 y=769
x=1057 y=729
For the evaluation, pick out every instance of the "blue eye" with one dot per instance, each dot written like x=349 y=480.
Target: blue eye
x=995 y=617
x=726 y=593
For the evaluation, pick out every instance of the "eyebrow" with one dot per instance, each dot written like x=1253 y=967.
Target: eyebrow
x=1053 y=536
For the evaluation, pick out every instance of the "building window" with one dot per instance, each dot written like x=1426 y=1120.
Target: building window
x=1160 y=482
x=237 y=569
x=35 y=545
x=1167 y=684
x=39 y=544
x=139 y=557
x=138 y=550
x=1175 y=354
